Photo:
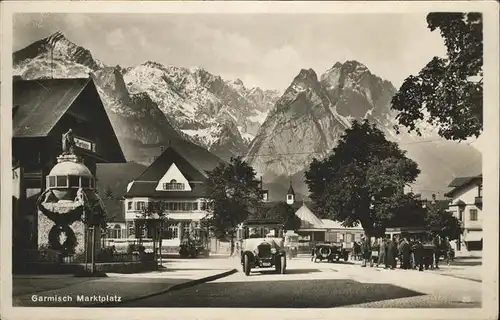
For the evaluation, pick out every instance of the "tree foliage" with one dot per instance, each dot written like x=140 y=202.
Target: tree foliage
x=285 y=214
x=443 y=222
x=362 y=181
x=448 y=92
x=233 y=192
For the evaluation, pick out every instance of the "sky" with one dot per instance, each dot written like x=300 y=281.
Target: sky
x=265 y=50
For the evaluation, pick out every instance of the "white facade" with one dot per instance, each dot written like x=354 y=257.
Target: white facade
x=181 y=212
x=467 y=208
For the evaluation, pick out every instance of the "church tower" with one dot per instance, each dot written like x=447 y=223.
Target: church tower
x=290 y=195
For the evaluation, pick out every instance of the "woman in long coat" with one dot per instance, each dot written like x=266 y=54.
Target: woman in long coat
x=391 y=253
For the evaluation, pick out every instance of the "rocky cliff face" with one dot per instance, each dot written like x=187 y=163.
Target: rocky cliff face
x=152 y=103
x=313 y=113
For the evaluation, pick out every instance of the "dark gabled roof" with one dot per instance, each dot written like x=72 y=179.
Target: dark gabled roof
x=39 y=104
x=115 y=209
x=461 y=182
x=189 y=163
x=148 y=189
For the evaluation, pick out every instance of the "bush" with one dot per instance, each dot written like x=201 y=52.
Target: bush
x=135 y=248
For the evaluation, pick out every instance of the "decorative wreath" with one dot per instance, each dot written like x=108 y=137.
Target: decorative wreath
x=68 y=246
x=325 y=251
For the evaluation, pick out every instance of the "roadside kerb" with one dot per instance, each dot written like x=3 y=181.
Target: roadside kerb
x=174 y=287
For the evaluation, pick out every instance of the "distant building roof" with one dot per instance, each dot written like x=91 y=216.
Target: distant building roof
x=308 y=218
x=461 y=182
x=193 y=162
x=39 y=104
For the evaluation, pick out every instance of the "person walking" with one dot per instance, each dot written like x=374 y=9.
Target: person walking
x=365 y=251
x=437 y=250
x=404 y=250
x=356 y=250
x=419 y=255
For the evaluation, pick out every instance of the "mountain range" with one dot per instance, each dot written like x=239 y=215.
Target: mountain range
x=279 y=134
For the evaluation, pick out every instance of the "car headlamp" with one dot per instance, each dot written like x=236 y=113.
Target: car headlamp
x=273 y=250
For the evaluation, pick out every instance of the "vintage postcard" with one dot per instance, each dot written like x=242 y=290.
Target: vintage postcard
x=293 y=160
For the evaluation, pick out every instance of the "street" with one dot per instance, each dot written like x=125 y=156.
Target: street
x=324 y=285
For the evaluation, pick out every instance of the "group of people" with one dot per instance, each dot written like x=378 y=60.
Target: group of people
x=411 y=253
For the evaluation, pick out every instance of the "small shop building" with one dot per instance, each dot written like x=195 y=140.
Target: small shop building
x=43 y=111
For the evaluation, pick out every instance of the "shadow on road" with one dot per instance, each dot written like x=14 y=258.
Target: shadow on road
x=291 y=271
x=464 y=263
x=336 y=262
x=277 y=294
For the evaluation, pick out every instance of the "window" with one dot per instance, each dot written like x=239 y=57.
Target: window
x=140 y=205
x=289 y=197
x=173 y=185
x=473 y=215
x=52 y=181
x=174 y=231
x=348 y=237
x=460 y=214
x=74 y=181
x=480 y=190
x=62 y=181
x=181 y=206
x=85 y=182
x=129 y=205
x=117 y=232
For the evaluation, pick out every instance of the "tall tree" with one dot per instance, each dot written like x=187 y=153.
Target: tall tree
x=448 y=92
x=153 y=217
x=233 y=192
x=442 y=222
x=362 y=181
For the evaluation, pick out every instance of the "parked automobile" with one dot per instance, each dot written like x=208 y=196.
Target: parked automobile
x=330 y=252
x=192 y=249
x=261 y=250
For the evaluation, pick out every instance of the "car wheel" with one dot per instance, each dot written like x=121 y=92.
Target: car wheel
x=283 y=264
x=346 y=257
x=246 y=265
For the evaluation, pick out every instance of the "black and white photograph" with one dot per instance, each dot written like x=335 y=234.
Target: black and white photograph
x=225 y=159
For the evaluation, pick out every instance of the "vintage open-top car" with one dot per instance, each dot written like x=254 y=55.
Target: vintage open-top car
x=260 y=248
x=329 y=252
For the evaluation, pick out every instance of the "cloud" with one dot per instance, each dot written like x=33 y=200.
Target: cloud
x=78 y=21
x=282 y=57
x=115 y=38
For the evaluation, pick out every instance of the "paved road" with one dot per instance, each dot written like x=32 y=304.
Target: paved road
x=323 y=285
